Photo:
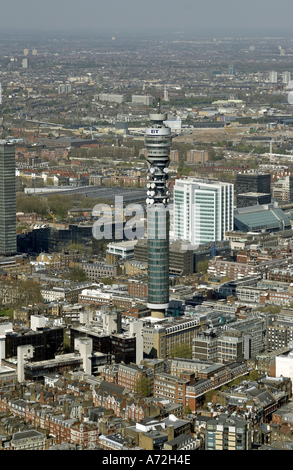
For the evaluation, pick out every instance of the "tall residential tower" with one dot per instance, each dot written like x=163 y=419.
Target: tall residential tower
x=7 y=199
x=158 y=143
x=203 y=210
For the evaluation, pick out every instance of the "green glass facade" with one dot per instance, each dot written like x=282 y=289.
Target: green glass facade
x=158 y=257
x=7 y=199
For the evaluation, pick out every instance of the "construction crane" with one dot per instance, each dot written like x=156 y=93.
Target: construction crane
x=53 y=217
x=251 y=151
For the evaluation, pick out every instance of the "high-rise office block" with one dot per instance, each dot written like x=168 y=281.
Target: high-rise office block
x=7 y=199
x=253 y=183
x=25 y=63
x=282 y=189
x=286 y=77
x=158 y=144
x=231 y=70
x=203 y=210
x=146 y=100
x=273 y=76
x=64 y=88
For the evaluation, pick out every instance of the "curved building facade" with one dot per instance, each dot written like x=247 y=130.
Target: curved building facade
x=7 y=199
x=158 y=143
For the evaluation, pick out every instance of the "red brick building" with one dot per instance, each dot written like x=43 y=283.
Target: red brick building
x=137 y=288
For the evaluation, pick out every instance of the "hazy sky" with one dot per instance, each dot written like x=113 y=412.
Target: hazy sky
x=116 y=16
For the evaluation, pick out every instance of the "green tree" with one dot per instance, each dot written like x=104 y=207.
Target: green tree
x=202 y=266
x=144 y=386
x=18 y=293
x=77 y=274
x=99 y=247
x=6 y=312
x=273 y=309
x=187 y=410
x=76 y=246
x=208 y=396
x=253 y=375
x=181 y=350
x=25 y=203
x=28 y=292
x=59 y=205
x=108 y=281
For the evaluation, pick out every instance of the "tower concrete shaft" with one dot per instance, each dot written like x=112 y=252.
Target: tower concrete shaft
x=8 y=245
x=158 y=143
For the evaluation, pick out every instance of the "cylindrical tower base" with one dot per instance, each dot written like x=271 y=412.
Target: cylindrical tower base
x=160 y=314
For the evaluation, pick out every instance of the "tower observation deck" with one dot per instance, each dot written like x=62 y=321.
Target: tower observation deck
x=158 y=143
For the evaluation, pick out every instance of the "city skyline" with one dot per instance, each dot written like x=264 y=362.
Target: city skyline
x=151 y=283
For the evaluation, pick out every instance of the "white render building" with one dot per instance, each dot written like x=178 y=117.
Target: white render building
x=203 y=210
x=125 y=248
x=284 y=366
x=146 y=100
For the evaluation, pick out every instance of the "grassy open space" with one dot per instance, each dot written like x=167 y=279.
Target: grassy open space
x=6 y=312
